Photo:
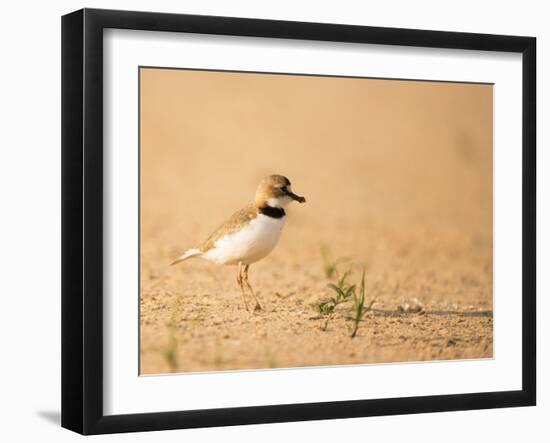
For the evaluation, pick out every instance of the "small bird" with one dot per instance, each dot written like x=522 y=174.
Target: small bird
x=249 y=234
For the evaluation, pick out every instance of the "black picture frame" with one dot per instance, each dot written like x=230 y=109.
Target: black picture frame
x=82 y=220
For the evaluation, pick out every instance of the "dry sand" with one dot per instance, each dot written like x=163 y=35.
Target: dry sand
x=398 y=178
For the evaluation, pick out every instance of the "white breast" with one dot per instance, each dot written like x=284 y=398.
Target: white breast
x=250 y=244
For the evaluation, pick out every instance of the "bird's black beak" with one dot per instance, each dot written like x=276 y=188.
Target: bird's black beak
x=298 y=198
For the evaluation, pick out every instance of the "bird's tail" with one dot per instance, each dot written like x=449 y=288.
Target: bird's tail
x=187 y=254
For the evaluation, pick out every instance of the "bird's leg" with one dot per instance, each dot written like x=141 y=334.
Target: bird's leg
x=258 y=307
x=240 y=283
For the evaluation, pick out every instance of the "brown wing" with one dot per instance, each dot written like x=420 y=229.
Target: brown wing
x=234 y=223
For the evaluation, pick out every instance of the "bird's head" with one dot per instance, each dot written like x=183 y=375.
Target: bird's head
x=276 y=191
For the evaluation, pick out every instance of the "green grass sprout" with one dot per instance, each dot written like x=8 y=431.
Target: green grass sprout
x=330 y=265
x=343 y=292
x=359 y=310
x=170 y=353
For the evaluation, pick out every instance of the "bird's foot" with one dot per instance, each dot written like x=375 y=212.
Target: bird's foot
x=258 y=307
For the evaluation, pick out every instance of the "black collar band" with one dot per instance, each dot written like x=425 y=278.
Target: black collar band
x=272 y=212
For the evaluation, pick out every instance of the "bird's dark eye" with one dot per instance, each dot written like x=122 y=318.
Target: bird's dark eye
x=284 y=189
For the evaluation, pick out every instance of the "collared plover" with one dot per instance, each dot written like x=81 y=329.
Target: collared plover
x=251 y=233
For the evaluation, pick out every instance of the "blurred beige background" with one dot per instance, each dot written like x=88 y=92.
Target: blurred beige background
x=397 y=175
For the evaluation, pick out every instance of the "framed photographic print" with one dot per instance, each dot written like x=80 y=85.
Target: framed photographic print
x=269 y=221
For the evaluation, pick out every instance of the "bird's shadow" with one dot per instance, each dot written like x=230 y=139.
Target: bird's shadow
x=54 y=417
x=397 y=313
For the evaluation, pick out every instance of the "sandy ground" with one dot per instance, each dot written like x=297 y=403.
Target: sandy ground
x=398 y=178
